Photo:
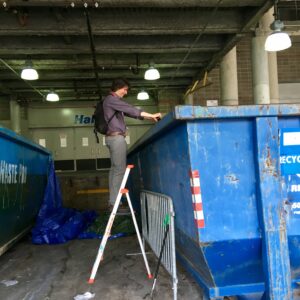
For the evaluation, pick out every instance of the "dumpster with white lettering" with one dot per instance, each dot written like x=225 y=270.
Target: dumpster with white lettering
x=23 y=178
x=234 y=176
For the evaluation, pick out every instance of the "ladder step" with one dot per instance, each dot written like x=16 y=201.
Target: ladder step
x=123 y=213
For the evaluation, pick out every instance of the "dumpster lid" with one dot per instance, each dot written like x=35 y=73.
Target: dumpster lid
x=189 y=113
x=240 y=111
x=11 y=135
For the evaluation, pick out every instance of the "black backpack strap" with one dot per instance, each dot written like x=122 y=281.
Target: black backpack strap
x=111 y=117
x=96 y=135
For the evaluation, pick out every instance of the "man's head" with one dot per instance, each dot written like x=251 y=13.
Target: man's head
x=120 y=86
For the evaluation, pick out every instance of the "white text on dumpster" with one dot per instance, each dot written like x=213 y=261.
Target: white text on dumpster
x=12 y=173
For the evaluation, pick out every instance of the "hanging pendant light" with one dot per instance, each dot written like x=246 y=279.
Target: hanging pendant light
x=142 y=95
x=151 y=73
x=29 y=73
x=52 y=97
x=278 y=40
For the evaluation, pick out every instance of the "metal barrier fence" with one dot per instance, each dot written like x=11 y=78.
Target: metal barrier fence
x=154 y=208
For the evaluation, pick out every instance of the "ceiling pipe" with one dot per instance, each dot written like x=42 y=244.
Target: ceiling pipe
x=135 y=70
x=92 y=46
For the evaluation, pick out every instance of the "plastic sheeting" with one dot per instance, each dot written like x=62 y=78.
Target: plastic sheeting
x=122 y=226
x=56 y=224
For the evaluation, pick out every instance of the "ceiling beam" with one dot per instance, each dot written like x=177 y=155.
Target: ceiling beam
x=292 y=27
x=133 y=3
x=87 y=84
x=134 y=44
x=103 y=65
x=234 y=40
x=121 y=22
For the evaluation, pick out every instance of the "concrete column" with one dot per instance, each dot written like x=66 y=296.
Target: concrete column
x=260 y=62
x=264 y=64
x=273 y=78
x=265 y=23
x=189 y=99
x=228 y=79
x=15 y=116
x=260 y=71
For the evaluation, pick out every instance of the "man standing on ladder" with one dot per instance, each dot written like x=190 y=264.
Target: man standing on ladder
x=114 y=110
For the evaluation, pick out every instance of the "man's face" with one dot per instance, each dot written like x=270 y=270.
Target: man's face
x=122 y=91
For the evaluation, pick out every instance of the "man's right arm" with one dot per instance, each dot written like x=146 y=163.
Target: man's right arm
x=155 y=117
x=122 y=106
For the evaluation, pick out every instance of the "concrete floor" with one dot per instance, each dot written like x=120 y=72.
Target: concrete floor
x=60 y=272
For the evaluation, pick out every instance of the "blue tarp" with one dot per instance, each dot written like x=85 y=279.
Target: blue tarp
x=56 y=224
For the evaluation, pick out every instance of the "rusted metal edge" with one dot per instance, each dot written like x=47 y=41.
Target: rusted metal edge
x=242 y=111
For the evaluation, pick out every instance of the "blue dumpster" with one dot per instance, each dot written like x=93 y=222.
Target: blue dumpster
x=233 y=174
x=23 y=178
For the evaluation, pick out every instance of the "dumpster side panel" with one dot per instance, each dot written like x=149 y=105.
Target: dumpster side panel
x=225 y=159
x=235 y=152
x=164 y=167
x=167 y=166
x=23 y=177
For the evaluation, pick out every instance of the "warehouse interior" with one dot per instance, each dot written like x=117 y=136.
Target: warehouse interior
x=208 y=53
x=78 y=47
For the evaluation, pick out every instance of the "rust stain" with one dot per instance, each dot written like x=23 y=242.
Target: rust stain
x=206 y=244
x=270 y=164
x=232 y=178
x=268 y=159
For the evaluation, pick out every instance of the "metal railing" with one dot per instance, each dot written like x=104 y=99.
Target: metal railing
x=154 y=209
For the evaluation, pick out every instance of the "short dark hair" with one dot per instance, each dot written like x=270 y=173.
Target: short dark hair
x=119 y=83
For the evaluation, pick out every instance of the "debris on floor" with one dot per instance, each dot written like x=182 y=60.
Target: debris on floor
x=85 y=296
x=9 y=282
x=60 y=272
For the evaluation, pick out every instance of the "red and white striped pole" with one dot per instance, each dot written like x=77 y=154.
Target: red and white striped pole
x=197 y=199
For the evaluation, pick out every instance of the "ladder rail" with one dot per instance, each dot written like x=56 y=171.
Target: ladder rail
x=109 y=225
x=138 y=235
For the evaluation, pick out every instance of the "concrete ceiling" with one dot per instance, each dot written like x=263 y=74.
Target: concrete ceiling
x=183 y=39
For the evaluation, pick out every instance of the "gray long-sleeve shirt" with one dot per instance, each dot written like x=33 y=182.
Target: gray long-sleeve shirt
x=112 y=104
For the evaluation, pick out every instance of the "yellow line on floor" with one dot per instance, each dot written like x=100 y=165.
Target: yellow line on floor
x=93 y=191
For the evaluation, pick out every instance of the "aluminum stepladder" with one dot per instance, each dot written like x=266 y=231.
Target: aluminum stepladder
x=122 y=191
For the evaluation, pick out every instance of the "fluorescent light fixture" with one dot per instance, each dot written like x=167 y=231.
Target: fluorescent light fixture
x=142 y=95
x=29 y=73
x=52 y=97
x=277 y=40
x=151 y=73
